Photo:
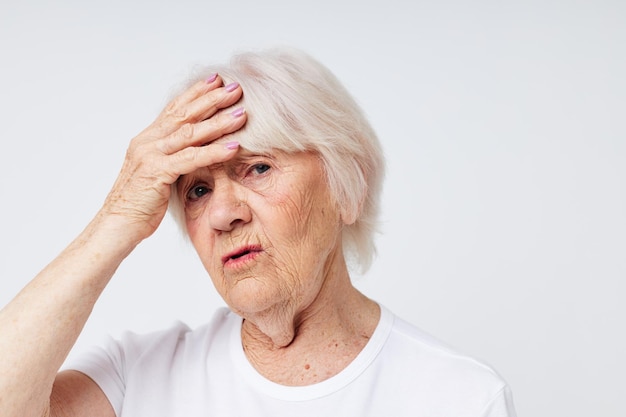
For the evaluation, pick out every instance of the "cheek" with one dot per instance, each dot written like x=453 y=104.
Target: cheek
x=193 y=229
x=309 y=225
x=202 y=241
x=290 y=221
x=196 y=220
x=193 y=212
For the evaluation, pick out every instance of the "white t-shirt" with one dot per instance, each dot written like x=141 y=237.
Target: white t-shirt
x=181 y=372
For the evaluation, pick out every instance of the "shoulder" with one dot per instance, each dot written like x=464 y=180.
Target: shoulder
x=132 y=350
x=417 y=358
x=177 y=338
x=415 y=345
x=155 y=364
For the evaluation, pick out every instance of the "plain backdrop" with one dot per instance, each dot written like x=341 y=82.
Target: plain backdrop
x=503 y=224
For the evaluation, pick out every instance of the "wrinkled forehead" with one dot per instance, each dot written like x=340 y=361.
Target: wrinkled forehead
x=245 y=157
x=242 y=156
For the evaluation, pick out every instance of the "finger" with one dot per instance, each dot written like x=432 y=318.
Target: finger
x=207 y=105
x=196 y=90
x=198 y=134
x=202 y=107
x=190 y=159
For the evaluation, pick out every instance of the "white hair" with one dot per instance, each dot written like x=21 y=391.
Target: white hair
x=295 y=104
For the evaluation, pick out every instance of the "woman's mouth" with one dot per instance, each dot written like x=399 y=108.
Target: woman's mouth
x=240 y=256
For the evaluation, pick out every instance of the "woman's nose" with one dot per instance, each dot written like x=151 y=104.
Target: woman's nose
x=227 y=207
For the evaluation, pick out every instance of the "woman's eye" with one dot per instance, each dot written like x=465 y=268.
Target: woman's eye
x=260 y=169
x=197 y=192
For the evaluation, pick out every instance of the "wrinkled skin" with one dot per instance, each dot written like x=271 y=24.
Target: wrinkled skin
x=277 y=211
x=41 y=324
x=303 y=320
x=172 y=146
x=269 y=233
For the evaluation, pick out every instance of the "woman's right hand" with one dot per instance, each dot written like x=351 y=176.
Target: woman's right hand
x=176 y=143
x=41 y=324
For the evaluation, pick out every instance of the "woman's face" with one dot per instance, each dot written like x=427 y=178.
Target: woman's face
x=265 y=227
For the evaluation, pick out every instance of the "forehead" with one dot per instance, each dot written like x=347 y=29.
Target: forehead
x=279 y=159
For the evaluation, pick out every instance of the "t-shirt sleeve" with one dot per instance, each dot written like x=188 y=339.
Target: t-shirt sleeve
x=106 y=366
x=113 y=365
x=501 y=405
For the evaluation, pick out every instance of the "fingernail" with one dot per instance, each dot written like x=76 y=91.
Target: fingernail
x=238 y=112
x=231 y=87
x=212 y=78
x=232 y=145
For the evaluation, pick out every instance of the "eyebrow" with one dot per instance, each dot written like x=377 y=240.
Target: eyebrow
x=241 y=157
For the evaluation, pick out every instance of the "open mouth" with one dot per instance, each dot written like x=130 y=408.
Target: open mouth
x=241 y=253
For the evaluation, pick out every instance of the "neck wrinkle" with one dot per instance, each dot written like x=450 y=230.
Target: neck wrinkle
x=333 y=328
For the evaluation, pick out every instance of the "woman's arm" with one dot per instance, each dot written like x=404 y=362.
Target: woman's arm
x=41 y=324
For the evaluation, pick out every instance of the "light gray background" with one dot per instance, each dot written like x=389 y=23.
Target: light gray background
x=502 y=122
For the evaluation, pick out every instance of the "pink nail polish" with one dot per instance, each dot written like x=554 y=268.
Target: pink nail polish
x=212 y=78
x=232 y=145
x=231 y=87
x=238 y=112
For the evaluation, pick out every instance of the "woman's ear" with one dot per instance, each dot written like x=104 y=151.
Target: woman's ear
x=347 y=217
x=351 y=212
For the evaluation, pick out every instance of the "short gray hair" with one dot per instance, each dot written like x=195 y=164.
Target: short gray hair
x=295 y=104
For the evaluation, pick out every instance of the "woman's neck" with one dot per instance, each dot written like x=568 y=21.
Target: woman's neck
x=301 y=347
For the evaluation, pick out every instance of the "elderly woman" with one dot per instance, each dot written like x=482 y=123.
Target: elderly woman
x=274 y=173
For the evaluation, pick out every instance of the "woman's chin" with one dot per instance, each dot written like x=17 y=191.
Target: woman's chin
x=249 y=298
